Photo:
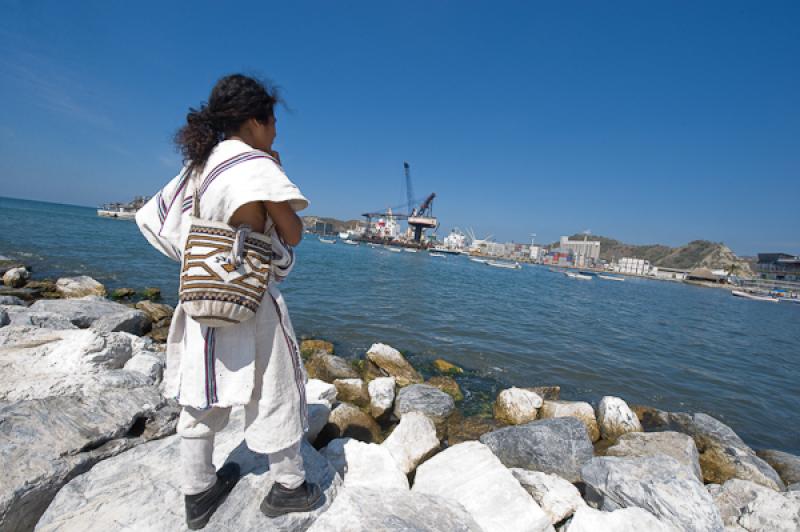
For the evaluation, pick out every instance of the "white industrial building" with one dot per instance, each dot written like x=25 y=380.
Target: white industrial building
x=633 y=266
x=586 y=252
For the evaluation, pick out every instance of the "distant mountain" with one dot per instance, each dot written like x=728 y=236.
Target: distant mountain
x=338 y=225
x=695 y=254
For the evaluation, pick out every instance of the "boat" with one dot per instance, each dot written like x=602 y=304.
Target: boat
x=374 y=246
x=755 y=297
x=573 y=275
x=611 y=277
x=481 y=261
x=504 y=264
x=327 y=240
x=350 y=242
x=435 y=254
x=393 y=249
x=448 y=251
x=410 y=250
x=122 y=211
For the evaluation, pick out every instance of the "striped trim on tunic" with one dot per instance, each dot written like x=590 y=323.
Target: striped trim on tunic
x=296 y=365
x=210 y=365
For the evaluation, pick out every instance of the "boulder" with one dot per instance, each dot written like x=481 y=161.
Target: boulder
x=471 y=475
x=352 y=391
x=318 y=416
x=412 y=441
x=431 y=401
x=747 y=506
x=11 y=300
x=348 y=421
x=148 y=364
x=559 y=445
x=151 y=293
x=82 y=312
x=46 y=442
x=159 y=334
x=443 y=366
x=46 y=287
x=140 y=490
x=616 y=418
x=470 y=428
x=624 y=520
x=155 y=311
x=448 y=385
x=577 y=409
x=370 y=371
x=16 y=277
x=547 y=393
x=366 y=465
x=659 y=484
x=123 y=293
x=4 y=319
x=24 y=316
x=557 y=497
x=79 y=287
x=391 y=361
x=679 y=446
x=130 y=321
x=516 y=406
x=368 y=510
x=311 y=347
x=37 y=363
x=381 y=396
x=328 y=368
x=320 y=391
x=785 y=464
x=26 y=294
x=723 y=454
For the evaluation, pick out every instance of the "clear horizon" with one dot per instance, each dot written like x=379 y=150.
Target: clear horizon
x=639 y=122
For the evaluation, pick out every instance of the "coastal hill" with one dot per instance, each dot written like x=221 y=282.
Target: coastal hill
x=338 y=225
x=695 y=254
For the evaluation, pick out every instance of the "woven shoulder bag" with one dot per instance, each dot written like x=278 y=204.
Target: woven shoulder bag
x=225 y=271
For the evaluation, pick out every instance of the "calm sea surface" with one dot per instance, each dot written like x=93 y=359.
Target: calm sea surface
x=676 y=347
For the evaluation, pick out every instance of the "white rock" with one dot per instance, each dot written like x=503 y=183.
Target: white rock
x=412 y=441
x=16 y=277
x=470 y=474
x=79 y=287
x=660 y=484
x=755 y=508
x=394 y=363
x=139 y=490
x=616 y=418
x=558 y=497
x=24 y=316
x=679 y=446
x=147 y=364
x=577 y=409
x=517 y=405
x=625 y=520
x=364 y=464
x=381 y=395
x=318 y=391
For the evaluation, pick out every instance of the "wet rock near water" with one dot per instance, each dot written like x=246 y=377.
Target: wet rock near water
x=679 y=446
x=443 y=366
x=16 y=277
x=352 y=391
x=81 y=286
x=156 y=312
x=616 y=418
x=786 y=465
x=448 y=385
x=392 y=363
x=560 y=446
x=425 y=399
x=659 y=484
x=460 y=429
x=578 y=409
x=348 y=421
x=517 y=405
x=328 y=368
x=310 y=347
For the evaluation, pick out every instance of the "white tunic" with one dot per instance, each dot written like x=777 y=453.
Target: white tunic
x=219 y=367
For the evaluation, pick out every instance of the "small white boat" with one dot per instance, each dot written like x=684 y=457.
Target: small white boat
x=443 y=250
x=410 y=250
x=506 y=265
x=755 y=297
x=481 y=261
x=394 y=250
x=327 y=240
x=611 y=277
x=374 y=246
x=573 y=275
x=350 y=242
x=435 y=254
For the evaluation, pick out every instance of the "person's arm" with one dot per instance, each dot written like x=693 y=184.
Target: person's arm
x=289 y=225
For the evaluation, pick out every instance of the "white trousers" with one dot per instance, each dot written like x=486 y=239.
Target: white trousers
x=197 y=429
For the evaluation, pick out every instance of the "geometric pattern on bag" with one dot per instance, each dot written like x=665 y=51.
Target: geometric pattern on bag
x=214 y=289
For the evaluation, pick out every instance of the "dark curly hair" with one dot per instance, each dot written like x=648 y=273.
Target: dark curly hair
x=234 y=100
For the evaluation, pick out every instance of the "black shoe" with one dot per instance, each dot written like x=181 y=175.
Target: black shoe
x=281 y=500
x=200 y=507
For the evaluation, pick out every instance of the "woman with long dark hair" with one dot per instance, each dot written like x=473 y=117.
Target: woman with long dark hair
x=236 y=178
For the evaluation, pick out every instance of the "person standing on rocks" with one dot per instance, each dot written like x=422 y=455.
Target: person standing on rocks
x=229 y=160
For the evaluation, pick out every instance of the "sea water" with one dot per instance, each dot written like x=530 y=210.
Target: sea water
x=673 y=346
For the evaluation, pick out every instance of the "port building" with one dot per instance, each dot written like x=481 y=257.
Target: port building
x=586 y=252
x=778 y=267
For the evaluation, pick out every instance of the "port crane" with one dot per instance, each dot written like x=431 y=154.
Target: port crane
x=419 y=219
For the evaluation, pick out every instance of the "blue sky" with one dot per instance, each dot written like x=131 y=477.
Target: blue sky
x=645 y=121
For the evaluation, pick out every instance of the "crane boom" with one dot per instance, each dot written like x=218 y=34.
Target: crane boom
x=409 y=188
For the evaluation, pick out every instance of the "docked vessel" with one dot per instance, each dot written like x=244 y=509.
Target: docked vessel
x=573 y=275
x=124 y=211
x=435 y=254
x=327 y=240
x=350 y=242
x=503 y=264
x=611 y=277
x=754 y=297
x=480 y=261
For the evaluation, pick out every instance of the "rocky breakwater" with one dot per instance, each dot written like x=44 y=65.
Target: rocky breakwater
x=78 y=384
x=392 y=451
